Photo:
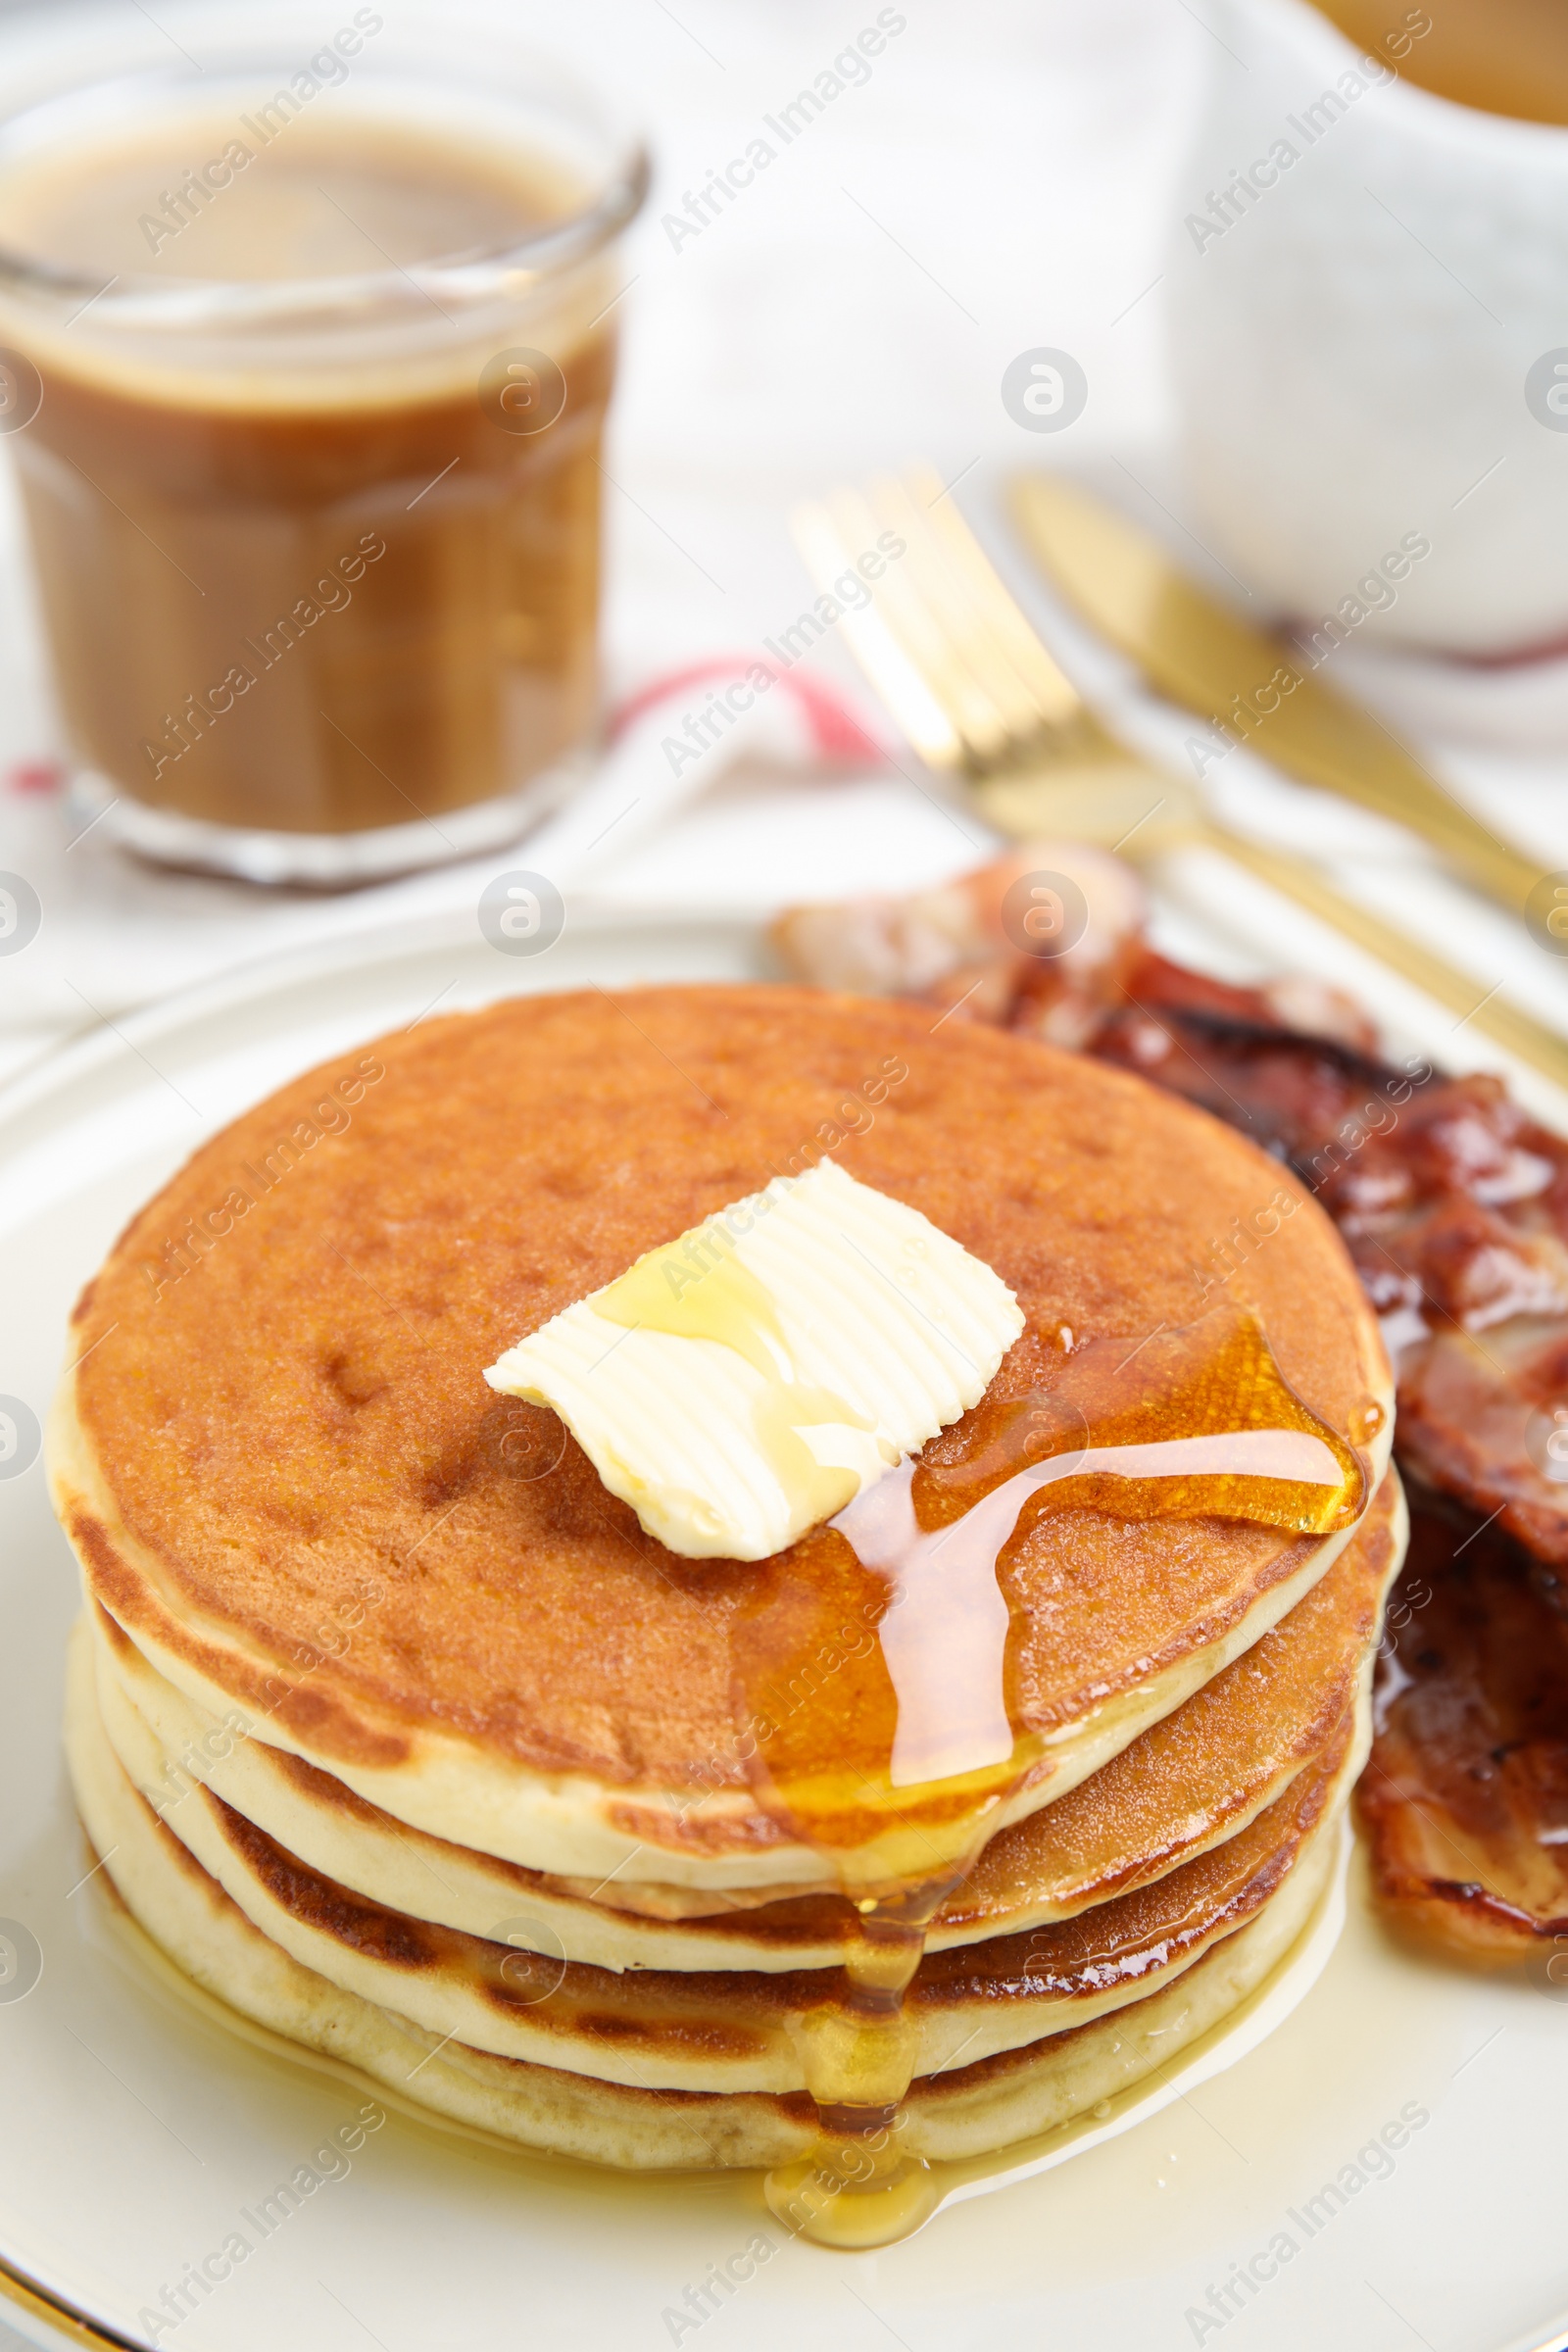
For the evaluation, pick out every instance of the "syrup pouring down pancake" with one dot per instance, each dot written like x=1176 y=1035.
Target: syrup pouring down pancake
x=1455 y=1207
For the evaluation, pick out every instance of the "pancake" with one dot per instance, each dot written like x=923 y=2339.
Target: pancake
x=287 y=1479
x=630 y=2116
x=733 y=2030
x=1200 y=1774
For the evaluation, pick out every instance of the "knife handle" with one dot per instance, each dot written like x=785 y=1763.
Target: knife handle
x=1506 y=1023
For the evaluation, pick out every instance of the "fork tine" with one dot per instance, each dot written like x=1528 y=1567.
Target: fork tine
x=940 y=640
x=896 y=678
x=930 y=574
x=1053 y=694
x=896 y=642
x=927 y=637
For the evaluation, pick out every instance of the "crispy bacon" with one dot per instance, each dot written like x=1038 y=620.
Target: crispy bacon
x=953 y=946
x=1465 y=1794
x=1453 y=1205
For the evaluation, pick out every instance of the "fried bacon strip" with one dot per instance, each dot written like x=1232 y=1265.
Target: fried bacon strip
x=1453 y=1205
x=1465 y=1794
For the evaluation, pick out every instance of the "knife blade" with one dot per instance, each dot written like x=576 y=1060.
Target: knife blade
x=1258 y=687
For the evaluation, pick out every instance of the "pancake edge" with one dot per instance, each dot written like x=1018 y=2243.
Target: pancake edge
x=695 y=2040
x=220 y=1968
x=171 y=1744
x=573 y=1824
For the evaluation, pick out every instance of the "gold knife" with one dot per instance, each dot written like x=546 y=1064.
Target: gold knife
x=1202 y=656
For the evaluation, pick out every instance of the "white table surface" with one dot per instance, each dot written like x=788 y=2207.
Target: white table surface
x=1007 y=178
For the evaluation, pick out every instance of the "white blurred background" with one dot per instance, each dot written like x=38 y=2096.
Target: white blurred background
x=1009 y=177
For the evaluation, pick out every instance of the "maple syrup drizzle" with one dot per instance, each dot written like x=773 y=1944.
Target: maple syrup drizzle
x=891 y=1755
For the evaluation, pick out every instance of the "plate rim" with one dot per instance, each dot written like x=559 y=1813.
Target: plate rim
x=252 y=977
x=243 y=982
x=21 y=2292
x=246 y=982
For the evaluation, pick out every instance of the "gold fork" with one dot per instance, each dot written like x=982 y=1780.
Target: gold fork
x=969 y=682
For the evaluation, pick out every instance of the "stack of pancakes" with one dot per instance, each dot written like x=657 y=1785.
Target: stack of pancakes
x=398 y=1732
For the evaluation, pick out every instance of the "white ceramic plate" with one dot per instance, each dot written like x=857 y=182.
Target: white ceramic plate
x=136 y=2126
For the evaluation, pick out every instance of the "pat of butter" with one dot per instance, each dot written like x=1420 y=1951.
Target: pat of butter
x=743 y=1382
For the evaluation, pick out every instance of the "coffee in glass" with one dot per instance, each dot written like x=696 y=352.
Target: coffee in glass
x=309 y=356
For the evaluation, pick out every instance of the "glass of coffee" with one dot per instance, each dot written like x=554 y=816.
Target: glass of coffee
x=306 y=337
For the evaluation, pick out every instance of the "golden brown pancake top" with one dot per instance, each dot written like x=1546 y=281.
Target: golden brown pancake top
x=315 y=1498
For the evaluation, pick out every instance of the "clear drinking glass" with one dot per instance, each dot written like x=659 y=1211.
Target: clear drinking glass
x=306 y=346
